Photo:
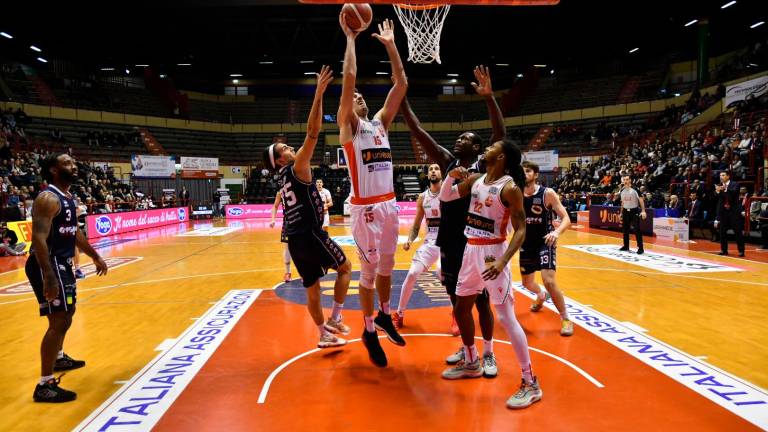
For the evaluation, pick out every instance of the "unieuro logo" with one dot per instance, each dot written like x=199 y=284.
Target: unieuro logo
x=103 y=224
x=182 y=213
x=235 y=211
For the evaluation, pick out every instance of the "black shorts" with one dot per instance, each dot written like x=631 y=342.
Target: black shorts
x=67 y=297
x=313 y=252
x=450 y=264
x=539 y=258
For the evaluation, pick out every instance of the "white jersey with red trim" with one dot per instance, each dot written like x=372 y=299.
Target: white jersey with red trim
x=369 y=161
x=488 y=218
x=431 y=205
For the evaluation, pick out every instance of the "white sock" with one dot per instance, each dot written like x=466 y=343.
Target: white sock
x=45 y=379
x=385 y=307
x=487 y=346
x=470 y=353
x=337 y=308
x=61 y=355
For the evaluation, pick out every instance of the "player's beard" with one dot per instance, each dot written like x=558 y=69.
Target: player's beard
x=67 y=177
x=434 y=180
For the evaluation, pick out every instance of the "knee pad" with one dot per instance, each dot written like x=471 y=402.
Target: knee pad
x=367 y=275
x=386 y=264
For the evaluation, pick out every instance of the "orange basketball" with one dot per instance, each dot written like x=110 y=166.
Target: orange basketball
x=357 y=15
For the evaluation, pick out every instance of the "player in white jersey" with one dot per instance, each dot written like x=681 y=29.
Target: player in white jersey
x=373 y=209
x=497 y=200
x=283 y=238
x=427 y=206
x=325 y=195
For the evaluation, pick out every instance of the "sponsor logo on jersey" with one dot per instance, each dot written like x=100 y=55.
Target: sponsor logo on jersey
x=480 y=223
x=372 y=156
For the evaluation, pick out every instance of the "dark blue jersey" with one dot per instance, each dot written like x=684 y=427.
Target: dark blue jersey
x=61 y=238
x=538 y=219
x=303 y=207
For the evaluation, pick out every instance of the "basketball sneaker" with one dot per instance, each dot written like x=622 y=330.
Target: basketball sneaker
x=287 y=277
x=79 y=274
x=464 y=370
x=334 y=326
x=397 y=320
x=52 y=393
x=539 y=303
x=67 y=363
x=490 y=370
x=566 y=328
x=455 y=357
x=328 y=340
x=383 y=322
x=375 y=353
x=526 y=396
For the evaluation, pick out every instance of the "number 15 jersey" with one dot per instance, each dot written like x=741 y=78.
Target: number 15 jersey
x=302 y=204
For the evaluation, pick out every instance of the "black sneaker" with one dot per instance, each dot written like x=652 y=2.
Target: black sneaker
x=624 y=249
x=51 y=392
x=384 y=323
x=640 y=251
x=67 y=363
x=375 y=353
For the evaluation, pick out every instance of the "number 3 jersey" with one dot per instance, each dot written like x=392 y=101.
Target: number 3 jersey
x=302 y=204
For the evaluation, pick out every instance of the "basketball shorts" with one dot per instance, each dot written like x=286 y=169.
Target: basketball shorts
x=65 y=278
x=375 y=229
x=427 y=254
x=477 y=258
x=451 y=256
x=313 y=253
x=537 y=258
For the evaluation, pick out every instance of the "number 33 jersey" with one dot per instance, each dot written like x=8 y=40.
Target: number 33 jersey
x=302 y=204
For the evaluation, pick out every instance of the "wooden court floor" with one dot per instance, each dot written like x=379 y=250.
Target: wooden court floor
x=657 y=345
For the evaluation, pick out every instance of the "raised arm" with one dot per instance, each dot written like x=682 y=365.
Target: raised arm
x=46 y=206
x=346 y=117
x=416 y=222
x=484 y=89
x=301 y=166
x=436 y=152
x=513 y=196
x=552 y=201
x=450 y=192
x=386 y=35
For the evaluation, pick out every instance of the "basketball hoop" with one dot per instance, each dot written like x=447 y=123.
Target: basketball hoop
x=423 y=24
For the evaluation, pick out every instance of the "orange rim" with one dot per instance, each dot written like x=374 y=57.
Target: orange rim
x=419 y=6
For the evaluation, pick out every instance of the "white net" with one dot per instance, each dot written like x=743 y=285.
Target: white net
x=423 y=26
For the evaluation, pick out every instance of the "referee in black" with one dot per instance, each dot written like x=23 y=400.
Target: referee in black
x=632 y=206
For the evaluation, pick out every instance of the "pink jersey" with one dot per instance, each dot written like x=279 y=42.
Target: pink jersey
x=488 y=218
x=369 y=161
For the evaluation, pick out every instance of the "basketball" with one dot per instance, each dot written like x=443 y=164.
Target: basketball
x=358 y=15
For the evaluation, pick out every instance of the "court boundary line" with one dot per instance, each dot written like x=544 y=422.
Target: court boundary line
x=642 y=347
x=147 y=411
x=268 y=382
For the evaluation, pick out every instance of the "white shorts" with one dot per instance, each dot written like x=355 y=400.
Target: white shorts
x=477 y=258
x=326 y=220
x=428 y=254
x=375 y=229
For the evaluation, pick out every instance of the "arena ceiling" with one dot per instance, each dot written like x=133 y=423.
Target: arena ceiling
x=270 y=39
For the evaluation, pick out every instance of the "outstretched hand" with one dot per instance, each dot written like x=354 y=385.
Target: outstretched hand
x=483 y=84
x=348 y=32
x=324 y=78
x=386 y=34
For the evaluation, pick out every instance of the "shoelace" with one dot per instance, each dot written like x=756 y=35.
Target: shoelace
x=490 y=360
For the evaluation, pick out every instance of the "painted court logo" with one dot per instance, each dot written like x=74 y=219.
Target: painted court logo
x=428 y=292
x=89 y=269
x=103 y=225
x=655 y=260
x=349 y=241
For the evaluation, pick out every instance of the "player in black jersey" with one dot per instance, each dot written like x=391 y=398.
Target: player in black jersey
x=540 y=246
x=49 y=269
x=453 y=214
x=311 y=248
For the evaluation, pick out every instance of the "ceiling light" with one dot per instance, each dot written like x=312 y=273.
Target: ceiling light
x=382 y=73
x=757 y=24
x=107 y=69
x=306 y=61
x=34 y=48
x=690 y=23
x=42 y=60
x=633 y=50
x=552 y=72
x=729 y=4
x=540 y=66
x=266 y=62
x=235 y=81
x=183 y=64
x=127 y=71
x=519 y=75
x=381 y=61
x=677 y=94
x=142 y=65
x=235 y=75
x=454 y=80
x=163 y=75
x=453 y=74
x=502 y=64
x=309 y=73
x=6 y=35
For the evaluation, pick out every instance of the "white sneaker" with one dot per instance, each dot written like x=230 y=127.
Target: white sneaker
x=526 y=396
x=464 y=370
x=334 y=326
x=455 y=357
x=490 y=370
x=329 y=341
